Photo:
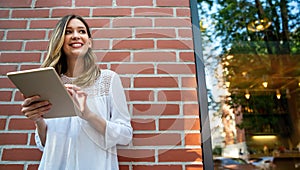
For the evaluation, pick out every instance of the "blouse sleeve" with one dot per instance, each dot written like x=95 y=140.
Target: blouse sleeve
x=118 y=127
x=38 y=141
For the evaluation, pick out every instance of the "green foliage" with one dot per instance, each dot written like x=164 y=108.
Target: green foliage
x=270 y=50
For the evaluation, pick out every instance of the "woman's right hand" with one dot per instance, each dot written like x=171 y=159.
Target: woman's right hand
x=34 y=109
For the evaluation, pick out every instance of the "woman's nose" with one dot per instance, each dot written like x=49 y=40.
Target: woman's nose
x=75 y=35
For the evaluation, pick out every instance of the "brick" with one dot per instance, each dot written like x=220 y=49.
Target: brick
x=185 y=33
x=124 y=167
x=155 y=82
x=46 y=3
x=26 y=35
x=27 y=67
x=126 y=82
x=157 y=139
x=155 y=12
x=100 y=44
x=133 y=44
x=189 y=82
x=133 y=68
x=111 y=12
x=175 y=44
x=18 y=57
x=113 y=56
x=93 y=3
x=157 y=167
x=136 y=155
x=10 y=46
x=140 y=95
x=112 y=33
x=187 y=56
x=36 y=45
x=168 y=3
x=2 y=123
x=177 y=95
x=191 y=109
x=15 y=3
x=179 y=124
x=60 y=12
x=41 y=13
x=1 y=35
x=13 y=138
x=143 y=124
x=21 y=124
x=194 y=167
x=7 y=68
x=155 y=109
x=176 y=155
x=33 y=166
x=43 y=23
x=134 y=3
x=5 y=96
x=98 y=23
x=32 y=139
x=6 y=83
x=132 y=22
x=4 y=13
x=21 y=154
x=154 y=56
x=192 y=139
x=18 y=96
x=176 y=69
x=155 y=33
x=172 y=22
x=103 y=66
x=13 y=24
x=183 y=12
x=11 y=166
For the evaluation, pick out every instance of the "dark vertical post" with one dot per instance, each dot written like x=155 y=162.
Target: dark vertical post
x=201 y=89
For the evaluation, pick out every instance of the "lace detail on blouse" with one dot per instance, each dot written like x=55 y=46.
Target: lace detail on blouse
x=101 y=87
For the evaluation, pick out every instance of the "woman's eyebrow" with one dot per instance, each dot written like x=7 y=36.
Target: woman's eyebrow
x=76 y=27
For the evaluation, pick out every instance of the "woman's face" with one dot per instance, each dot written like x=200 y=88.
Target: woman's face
x=77 y=41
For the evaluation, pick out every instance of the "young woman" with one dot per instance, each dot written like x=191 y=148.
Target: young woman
x=87 y=141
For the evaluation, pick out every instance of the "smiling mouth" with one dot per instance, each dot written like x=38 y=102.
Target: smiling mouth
x=76 y=45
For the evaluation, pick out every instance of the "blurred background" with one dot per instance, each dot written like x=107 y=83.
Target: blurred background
x=252 y=58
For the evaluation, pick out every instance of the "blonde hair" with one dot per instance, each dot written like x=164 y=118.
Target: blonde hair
x=57 y=59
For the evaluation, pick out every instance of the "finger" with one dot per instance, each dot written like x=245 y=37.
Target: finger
x=37 y=112
x=28 y=101
x=72 y=86
x=81 y=93
x=34 y=106
x=70 y=91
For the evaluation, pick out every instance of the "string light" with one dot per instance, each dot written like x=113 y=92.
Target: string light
x=227 y=84
x=265 y=84
x=278 y=95
x=247 y=94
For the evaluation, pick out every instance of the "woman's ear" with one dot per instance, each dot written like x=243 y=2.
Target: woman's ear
x=90 y=43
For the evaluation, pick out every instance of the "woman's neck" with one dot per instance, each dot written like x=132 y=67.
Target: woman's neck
x=75 y=68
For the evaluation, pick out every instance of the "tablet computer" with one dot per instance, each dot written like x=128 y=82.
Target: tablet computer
x=46 y=83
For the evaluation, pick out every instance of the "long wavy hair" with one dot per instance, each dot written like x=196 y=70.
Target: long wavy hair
x=56 y=57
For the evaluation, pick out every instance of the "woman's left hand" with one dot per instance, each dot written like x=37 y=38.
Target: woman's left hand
x=80 y=98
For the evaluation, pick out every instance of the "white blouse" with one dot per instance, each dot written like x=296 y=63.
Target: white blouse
x=72 y=144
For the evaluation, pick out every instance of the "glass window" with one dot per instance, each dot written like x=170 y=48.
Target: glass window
x=251 y=50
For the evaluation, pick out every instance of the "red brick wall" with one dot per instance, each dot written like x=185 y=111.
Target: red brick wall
x=148 y=42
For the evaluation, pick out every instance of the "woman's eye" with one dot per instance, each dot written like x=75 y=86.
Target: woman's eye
x=68 y=32
x=82 y=31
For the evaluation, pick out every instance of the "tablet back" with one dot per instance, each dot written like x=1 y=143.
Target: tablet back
x=46 y=83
